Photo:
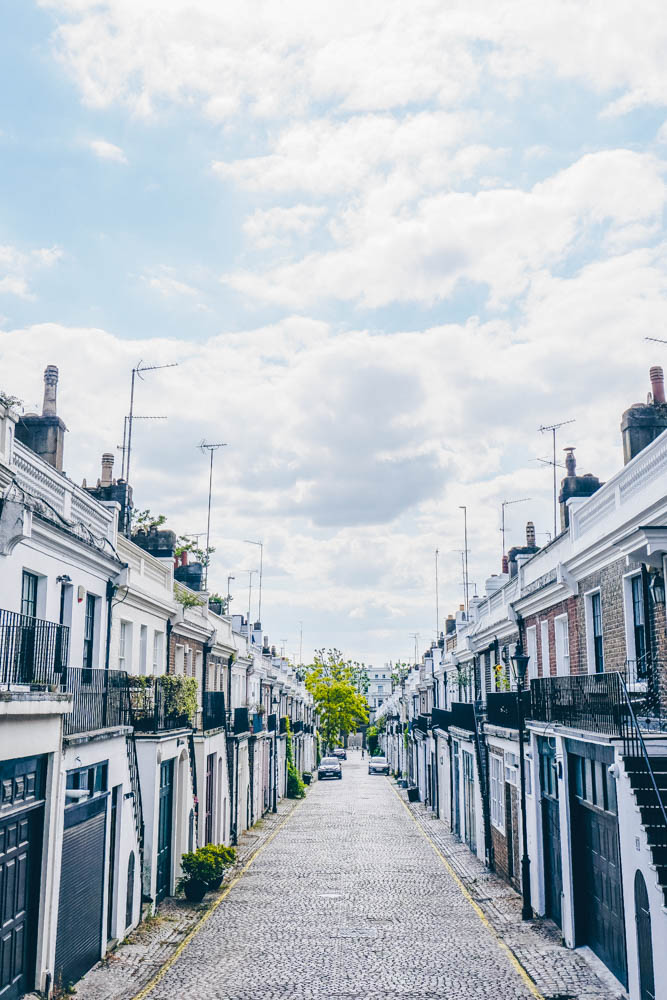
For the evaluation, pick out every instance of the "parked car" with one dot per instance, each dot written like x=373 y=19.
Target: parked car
x=378 y=765
x=339 y=752
x=330 y=767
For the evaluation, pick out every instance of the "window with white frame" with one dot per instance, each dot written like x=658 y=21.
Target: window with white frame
x=157 y=652
x=143 y=648
x=562 y=637
x=531 y=650
x=544 y=640
x=124 y=646
x=635 y=627
x=497 y=790
x=179 y=659
x=594 y=643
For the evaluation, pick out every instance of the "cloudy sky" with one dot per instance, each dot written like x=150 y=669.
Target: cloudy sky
x=384 y=241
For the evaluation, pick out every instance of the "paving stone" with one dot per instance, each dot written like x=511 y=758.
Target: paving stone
x=349 y=901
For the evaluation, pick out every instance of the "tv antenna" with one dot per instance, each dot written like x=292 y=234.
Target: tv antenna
x=415 y=636
x=544 y=428
x=508 y=503
x=211 y=449
x=137 y=372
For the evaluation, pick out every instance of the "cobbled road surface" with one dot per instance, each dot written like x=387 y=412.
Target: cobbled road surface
x=348 y=900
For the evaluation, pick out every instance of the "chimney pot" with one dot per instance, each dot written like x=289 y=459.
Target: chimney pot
x=506 y=565
x=50 y=388
x=107 y=469
x=657 y=384
x=570 y=462
x=184 y=558
x=530 y=534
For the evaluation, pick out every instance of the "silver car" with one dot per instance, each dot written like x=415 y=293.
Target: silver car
x=378 y=765
x=330 y=767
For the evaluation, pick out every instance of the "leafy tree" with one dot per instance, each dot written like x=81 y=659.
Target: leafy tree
x=399 y=673
x=340 y=706
x=143 y=520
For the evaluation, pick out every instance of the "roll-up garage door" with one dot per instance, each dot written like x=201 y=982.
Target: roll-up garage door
x=81 y=905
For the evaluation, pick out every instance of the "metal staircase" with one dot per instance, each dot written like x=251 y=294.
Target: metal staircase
x=648 y=778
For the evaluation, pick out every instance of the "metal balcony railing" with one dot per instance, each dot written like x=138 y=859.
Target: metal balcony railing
x=502 y=708
x=32 y=651
x=463 y=715
x=213 y=710
x=154 y=707
x=591 y=702
x=100 y=700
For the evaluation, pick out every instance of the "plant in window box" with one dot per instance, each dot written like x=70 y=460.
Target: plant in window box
x=180 y=696
x=502 y=680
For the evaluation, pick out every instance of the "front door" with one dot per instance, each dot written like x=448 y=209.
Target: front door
x=164 y=830
x=644 y=939
x=553 y=870
x=469 y=800
x=456 y=819
x=210 y=788
x=20 y=851
x=113 y=839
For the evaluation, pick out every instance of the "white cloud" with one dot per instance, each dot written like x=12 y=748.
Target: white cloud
x=107 y=151
x=18 y=267
x=168 y=286
x=498 y=238
x=266 y=228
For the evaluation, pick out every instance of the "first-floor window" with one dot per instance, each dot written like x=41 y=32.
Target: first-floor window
x=29 y=594
x=157 y=652
x=531 y=642
x=497 y=788
x=123 y=646
x=562 y=646
x=89 y=632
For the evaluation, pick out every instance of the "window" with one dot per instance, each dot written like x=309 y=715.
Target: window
x=544 y=638
x=123 y=645
x=596 y=623
x=85 y=783
x=29 y=594
x=638 y=621
x=89 y=632
x=157 y=652
x=143 y=648
x=531 y=643
x=379 y=689
x=179 y=659
x=562 y=646
x=497 y=788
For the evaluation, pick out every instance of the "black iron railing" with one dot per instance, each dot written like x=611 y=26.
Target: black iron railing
x=502 y=708
x=422 y=723
x=592 y=702
x=297 y=726
x=100 y=700
x=155 y=707
x=257 y=722
x=440 y=717
x=241 y=720
x=32 y=651
x=635 y=747
x=463 y=715
x=213 y=714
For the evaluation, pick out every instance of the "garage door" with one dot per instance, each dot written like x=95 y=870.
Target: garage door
x=80 y=908
x=598 y=892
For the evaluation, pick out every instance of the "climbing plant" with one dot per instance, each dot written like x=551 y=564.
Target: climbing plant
x=295 y=786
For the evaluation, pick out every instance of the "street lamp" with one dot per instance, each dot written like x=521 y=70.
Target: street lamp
x=520 y=664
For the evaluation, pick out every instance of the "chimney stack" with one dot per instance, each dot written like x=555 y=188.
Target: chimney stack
x=573 y=485
x=45 y=433
x=657 y=384
x=107 y=469
x=644 y=422
x=50 y=389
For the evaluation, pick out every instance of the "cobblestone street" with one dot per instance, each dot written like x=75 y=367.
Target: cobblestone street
x=349 y=899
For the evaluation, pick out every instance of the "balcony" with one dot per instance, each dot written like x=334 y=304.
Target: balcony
x=590 y=702
x=100 y=700
x=157 y=706
x=502 y=709
x=258 y=722
x=297 y=727
x=422 y=723
x=463 y=715
x=440 y=718
x=241 y=721
x=212 y=714
x=32 y=651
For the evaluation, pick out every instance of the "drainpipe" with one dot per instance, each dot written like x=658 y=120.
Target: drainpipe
x=236 y=796
x=111 y=590
x=168 y=645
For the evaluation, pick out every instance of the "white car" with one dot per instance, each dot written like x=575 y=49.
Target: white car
x=330 y=767
x=378 y=765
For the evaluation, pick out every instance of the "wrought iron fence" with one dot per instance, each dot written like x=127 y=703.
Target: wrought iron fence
x=100 y=700
x=32 y=651
x=502 y=708
x=213 y=710
x=463 y=715
x=592 y=702
x=154 y=708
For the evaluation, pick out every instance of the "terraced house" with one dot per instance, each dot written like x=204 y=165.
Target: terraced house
x=125 y=702
x=574 y=813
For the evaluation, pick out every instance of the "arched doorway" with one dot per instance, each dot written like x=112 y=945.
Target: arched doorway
x=644 y=939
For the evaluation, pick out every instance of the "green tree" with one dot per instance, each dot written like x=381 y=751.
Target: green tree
x=340 y=706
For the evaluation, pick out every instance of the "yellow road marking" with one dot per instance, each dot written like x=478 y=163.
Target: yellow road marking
x=514 y=961
x=162 y=971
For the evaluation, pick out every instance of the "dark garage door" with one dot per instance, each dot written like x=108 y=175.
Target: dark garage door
x=598 y=892
x=80 y=909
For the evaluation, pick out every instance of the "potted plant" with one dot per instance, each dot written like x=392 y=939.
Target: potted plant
x=307 y=777
x=199 y=869
x=222 y=858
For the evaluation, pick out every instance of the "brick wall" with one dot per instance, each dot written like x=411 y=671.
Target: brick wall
x=197 y=647
x=568 y=607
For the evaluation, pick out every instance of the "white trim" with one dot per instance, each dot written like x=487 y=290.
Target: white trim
x=545 y=658
x=562 y=645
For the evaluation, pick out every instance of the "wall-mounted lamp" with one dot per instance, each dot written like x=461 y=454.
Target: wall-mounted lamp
x=64 y=578
x=656 y=586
